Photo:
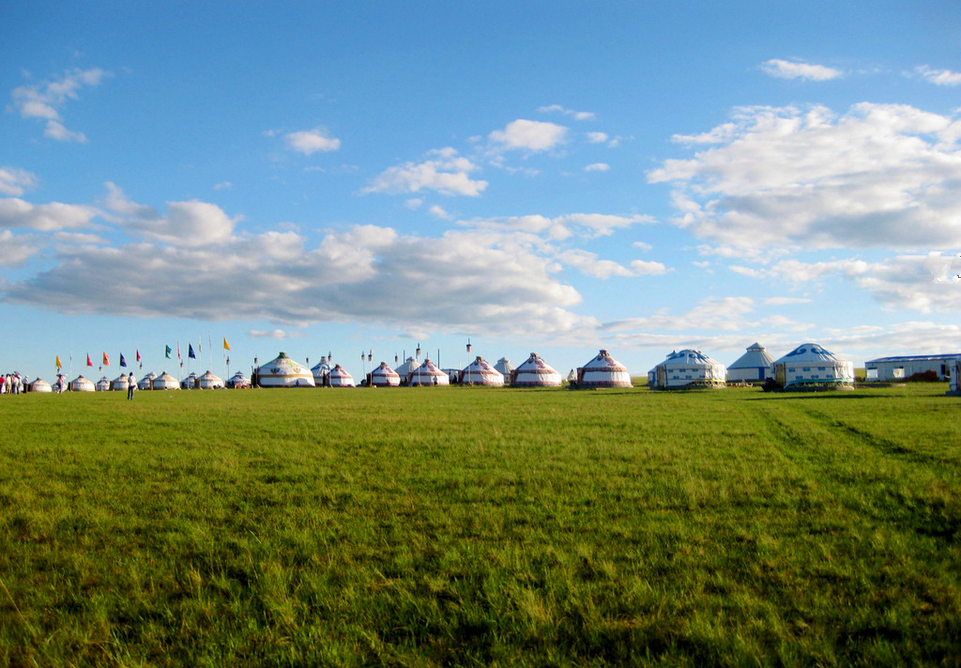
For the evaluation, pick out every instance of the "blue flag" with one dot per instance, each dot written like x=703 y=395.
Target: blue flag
x=123 y=362
x=190 y=351
x=167 y=352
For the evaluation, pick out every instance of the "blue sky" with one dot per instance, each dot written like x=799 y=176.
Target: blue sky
x=550 y=177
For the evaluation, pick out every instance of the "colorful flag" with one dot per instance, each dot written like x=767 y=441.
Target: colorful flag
x=58 y=362
x=167 y=352
x=89 y=363
x=226 y=345
x=190 y=351
x=106 y=360
x=123 y=362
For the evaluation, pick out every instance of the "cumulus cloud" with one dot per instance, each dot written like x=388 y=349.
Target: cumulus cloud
x=15 y=181
x=877 y=176
x=42 y=100
x=939 y=77
x=15 y=212
x=576 y=115
x=597 y=137
x=224 y=185
x=439 y=212
x=445 y=171
x=585 y=225
x=17 y=249
x=785 y=69
x=275 y=334
x=527 y=135
x=309 y=142
x=589 y=264
x=597 y=167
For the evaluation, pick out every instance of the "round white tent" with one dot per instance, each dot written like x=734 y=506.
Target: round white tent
x=481 y=372
x=146 y=383
x=211 y=381
x=165 y=382
x=688 y=368
x=384 y=376
x=103 y=385
x=321 y=371
x=284 y=372
x=39 y=385
x=810 y=365
x=190 y=382
x=755 y=364
x=81 y=384
x=238 y=381
x=340 y=378
x=535 y=372
x=505 y=367
x=120 y=384
x=603 y=371
x=428 y=374
x=407 y=368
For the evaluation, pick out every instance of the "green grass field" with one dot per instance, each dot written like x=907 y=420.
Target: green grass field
x=480 y=527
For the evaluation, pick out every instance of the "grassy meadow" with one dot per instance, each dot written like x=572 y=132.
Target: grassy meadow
x=481 y=527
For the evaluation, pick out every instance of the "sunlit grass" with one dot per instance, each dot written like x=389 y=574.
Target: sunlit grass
x=465 y=526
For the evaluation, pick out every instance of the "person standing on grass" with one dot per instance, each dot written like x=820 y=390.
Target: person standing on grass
x=131 y=386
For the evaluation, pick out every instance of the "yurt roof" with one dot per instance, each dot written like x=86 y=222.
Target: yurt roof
x=689 y=357
x=340 y=372
x=210 y=375
x=409 y=365
x=384 y=370
x=604 y=362
x=428 y=368
x=480 y=365
x=809 y=352
x=38 y=382
x=322 y=365
x=755 y=358
x=283 y=366
x=535 y=364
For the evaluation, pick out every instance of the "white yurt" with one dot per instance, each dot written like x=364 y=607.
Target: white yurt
x=103 y=385
x=238 y=381
x=190 y=382
x=481 y=372
x=321 y=371
x=40 y=386
x=81 y=384
x=688 y=369
x=211 y=381
x=755 y=364
x=535 y=372
x=146 y=383
x=603 y=371
x=810 y=365
x=340 y=378
x=120 y=384
x=428 y=374
x=165 y=382
x=505 y=367
x=384 y=376
x=284 y=372
x=407 y=368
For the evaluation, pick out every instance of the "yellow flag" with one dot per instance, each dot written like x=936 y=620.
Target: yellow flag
x=58 y=362
x=226 y=345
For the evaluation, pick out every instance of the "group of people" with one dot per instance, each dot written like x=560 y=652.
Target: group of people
x=13 y=383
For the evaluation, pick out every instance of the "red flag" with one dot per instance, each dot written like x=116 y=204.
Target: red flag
x=106 y=360
x=138 y=354
x=89 y=363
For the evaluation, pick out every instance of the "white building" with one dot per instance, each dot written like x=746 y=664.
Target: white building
x=165 y=382
x=284 y=372
x=603 y=371
x=40 y=386
x=384 y=376
x=340 y=378
x=427 y=374
x=905 y=366
x=754 y=365
x=811 y=365
x=481 y=372
x=688 y=369
x=535 y=372
x=81 y=384
x=210 y=381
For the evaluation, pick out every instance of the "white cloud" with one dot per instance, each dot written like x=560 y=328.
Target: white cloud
x=17 y=249
x=589 y=264
x=414 y=203
x=644 y=268
x=597 y=167
x=642 y=245
x=439 y=212
x=16 y=212
x=878 y=176
x=597 y=137
x=445 y=172
x=784 y=69
x=311 y=141
x=576 y=115
x=585 y=225
x=784 y=301
x=275 y=334
x=529 y=135
x=224 y=185
x=191 y=223
x=15 y=181
x=939 y=77
x=42 y=100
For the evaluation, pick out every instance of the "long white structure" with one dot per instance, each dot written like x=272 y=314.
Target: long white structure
x=384 y=376
x=535 y=372
x=603 y=371
x=754 y=365
x=905 y=366
x=284 y=372
x=481 y=372
x=427 y=374
x=811 y=365
x=688 y=369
